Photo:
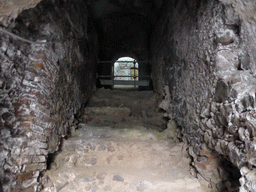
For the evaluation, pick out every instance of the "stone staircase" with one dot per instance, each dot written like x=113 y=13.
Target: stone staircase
x=121 y=160
x=127 y=158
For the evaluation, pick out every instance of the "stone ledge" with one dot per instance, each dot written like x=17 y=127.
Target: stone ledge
x=116 y=111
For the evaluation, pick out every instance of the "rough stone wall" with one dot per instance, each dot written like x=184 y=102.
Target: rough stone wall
x=42 y=87
x=10 y=9
x=202 y=51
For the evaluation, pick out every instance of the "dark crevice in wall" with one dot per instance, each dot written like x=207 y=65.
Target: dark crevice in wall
x=233 y=175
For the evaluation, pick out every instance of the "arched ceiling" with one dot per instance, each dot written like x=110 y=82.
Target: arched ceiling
x=102 y=8
x=124 y=25
x=99 y=8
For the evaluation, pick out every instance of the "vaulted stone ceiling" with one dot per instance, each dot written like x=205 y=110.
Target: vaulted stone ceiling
x=98 y=8
x=101 y=8
x=124 y=26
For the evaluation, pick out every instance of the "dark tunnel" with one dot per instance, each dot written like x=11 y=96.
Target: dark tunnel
x=197 y=57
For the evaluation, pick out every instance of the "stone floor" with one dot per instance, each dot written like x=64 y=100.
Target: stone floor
x=126 y=158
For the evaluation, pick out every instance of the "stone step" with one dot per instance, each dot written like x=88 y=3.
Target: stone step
x=120 y=180
x=109 y=155
x=116 y=111
x=123 y=148
x=121 y=160
x=122 y=153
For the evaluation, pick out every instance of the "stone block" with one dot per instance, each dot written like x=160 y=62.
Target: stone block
x=29 y=83
x=251 y=152
x=41 y=124
x=22 y=177
x=245 y=62
x=231 y=18
x=29 y=183
x=244 y=134
x=34 y=151
x=250 y=123
x=43 y=110
x=226 y=60
x=37 y=129
x=37 y=144
x=235 y=155
x=38 y=65
x=39 y=137
x=221 y=91
x=53 y=142
x=30 y=189
x=207 y=168
x=42 y=99
x=221 y=146
x=226 y=37
x=87 y=160
x=248 y=102
x=33 y=167
x=24 y=159
x=205 y=112
x=250 y=181
x=172 y=130
x=118 y=178
x=242 y=181
x=244 y=171
x=207 y=137
x=210 y=124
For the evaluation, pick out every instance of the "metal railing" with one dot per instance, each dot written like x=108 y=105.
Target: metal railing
x=110 y=79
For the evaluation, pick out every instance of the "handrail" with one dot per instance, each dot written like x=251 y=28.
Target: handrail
x=122 y=76
x=124 y=61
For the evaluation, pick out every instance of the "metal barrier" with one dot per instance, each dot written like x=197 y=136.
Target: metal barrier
x=136 y=79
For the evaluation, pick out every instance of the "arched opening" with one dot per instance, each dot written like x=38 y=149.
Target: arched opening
x=126 y=73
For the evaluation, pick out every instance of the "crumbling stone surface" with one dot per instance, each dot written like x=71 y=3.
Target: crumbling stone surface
x=10 y=9
x=128 y=159
x=203 y=53
x=42 y=87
